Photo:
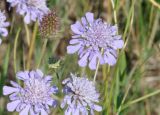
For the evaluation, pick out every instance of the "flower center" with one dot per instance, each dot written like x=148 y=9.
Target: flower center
x=35 y=91
x=97 y=35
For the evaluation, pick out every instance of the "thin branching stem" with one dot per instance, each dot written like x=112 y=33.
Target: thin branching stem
x=15 y=50
x=43 y=51
x=140 y=99
x=95 y=75
x=27 y=33
x=124 y=98
x=32 y=45
x=97 y=67
x=114 y=11
x=155 y=3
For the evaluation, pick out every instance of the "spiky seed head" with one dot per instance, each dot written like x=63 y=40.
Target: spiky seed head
x=50 y=24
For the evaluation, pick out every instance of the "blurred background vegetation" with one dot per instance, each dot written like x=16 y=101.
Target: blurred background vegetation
x=136 y=74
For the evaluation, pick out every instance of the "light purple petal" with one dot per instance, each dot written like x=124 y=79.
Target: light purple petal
x=79 y=26
x=80 y=51
x=97 y=108
x=91 y=112
x=74 y=41
x=110 y=59
x=101 y=60
x=52 y=103
x=14 y=84
x=93 y=62
x=65 y=81
x=48 y=78
x=90 y=17
x=83 y=110
x=43 y=112
x=54 y=89
x=8 y=90
x=73 y=49
x=12 y=105
x=4 y=32
x=6 y=24
x=32 y=112
x=83 y=61
x=63 y=103
x=68 y=111
x=27 y=18
x=32 y=74
x=114 y=30
x=33 y=16
x=75 y=29
x=117 y=37
x=37 y=109
x=84 y=21
x=118 y=43
x=13 y=97
x=75 y=112
x=23 y=75
x=39 y=73
x=25 y=111
x=20 y=107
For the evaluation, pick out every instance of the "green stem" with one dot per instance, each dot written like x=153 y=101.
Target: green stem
x=110 y=96
x=124 y=98
x=3 y=73
x=95 y=75
x=114 y=11
x=15 y=50
x=32 y=45
x=140 y=99
x=43 y=51
x=129 y=19
x=27 y=33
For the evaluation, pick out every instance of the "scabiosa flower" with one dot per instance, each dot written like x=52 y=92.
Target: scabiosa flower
x=81 y=96
x=3 y=25
x=90 y=37
x=36 y=95
x=32 y=9
x=49 y=25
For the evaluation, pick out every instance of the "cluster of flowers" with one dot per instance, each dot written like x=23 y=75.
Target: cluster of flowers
x=93 y=39
x=38 y=94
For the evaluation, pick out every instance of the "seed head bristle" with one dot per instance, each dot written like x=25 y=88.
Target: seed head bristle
x=49 y=25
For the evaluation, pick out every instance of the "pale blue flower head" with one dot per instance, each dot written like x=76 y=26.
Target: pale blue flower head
x=90 y=36
x=32 y=10
x=36 y=95
x=3 y=25
x=81 y=96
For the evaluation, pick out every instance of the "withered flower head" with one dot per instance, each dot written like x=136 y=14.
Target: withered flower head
x=50 y=25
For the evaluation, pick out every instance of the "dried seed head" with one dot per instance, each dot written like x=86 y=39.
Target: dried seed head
x=49 y=25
